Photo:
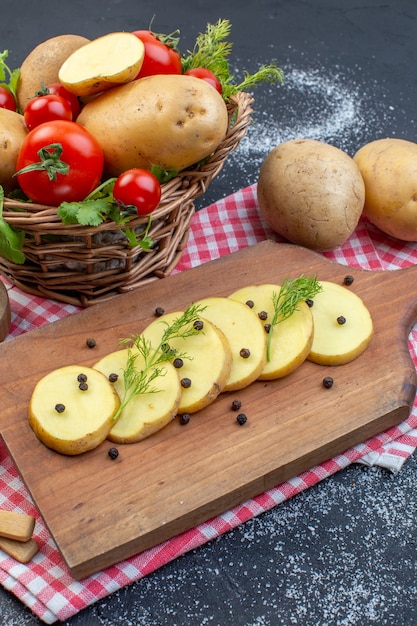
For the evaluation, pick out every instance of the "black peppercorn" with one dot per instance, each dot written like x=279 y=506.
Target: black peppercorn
x=113 y=377
x=328 y=382
x=83 y=386
x=348 y=280
x=198 y=325
x=91 y=343
x=113 y=453
x=263 y=315
x=184 y=418
x=159 y=311
x=341 y=320
x=178 y=362
x=59 y=408
x=267 y=328
x=245 y=353
x=309 y=302
x=82 y=378
x=236 y=404
x=250 y=303
x=185 y=383
x=241 y=419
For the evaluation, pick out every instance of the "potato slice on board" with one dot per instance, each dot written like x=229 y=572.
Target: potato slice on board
x=68 y=419
x=105 y=62
x=290 y=339
x=246 y=337
x=208 y=364
x=146 y=413
x=343 y=325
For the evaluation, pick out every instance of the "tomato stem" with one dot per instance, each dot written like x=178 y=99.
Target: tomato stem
x=50 y=162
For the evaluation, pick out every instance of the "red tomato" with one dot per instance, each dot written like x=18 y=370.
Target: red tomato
x=207 y=75
x=81 y=156
x=159 y=57
x=45 y=109
x=59 y=90
x=7 y=100
x=137 y=188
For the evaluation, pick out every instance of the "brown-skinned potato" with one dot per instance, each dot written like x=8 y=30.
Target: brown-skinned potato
x=42 y=65
x=311 y=193
x=170 y=121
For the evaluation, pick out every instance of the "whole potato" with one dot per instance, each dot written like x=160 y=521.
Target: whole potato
x=171 y=121
x=42 y=65
x=12 y=133
x=389 y=169
x=311 y=193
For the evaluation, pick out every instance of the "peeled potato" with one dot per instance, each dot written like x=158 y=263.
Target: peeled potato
x=311 y=193
x=290 y=339
x=245 y=335
x=105 y=62
x=389 y=169
x=207 y=365
x=87 y=416
x=343 y=326
x=42 y=64
x=146 y=413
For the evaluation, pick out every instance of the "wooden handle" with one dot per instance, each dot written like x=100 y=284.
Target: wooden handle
x=17 y=526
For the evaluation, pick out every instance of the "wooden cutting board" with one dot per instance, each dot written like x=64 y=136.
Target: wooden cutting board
x=101 y=511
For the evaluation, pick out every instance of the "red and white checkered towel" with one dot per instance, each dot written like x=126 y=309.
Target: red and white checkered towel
x=44 y=584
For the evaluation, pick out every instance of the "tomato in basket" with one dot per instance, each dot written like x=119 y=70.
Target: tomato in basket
x=137 y=188
x=45 y=109
x=160 y=57
x=7 y=100
x=207 y=75
x=59 y=161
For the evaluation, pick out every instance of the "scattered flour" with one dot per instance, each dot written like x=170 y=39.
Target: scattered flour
x=340 y=107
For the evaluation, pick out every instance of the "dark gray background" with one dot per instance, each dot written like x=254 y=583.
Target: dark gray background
x=344 y=552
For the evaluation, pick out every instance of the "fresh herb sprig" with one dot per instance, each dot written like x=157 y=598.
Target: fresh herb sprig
x=139 y=380
x=98 y=206
x=11 y=239
x=286 y=301
x=212 y=51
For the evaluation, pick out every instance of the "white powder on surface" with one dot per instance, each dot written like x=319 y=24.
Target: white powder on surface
x=338 y=106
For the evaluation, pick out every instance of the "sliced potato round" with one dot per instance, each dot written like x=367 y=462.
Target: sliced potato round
x=68 y=419
x=105 y=62
x=246 y=337
x=207 y=366
x=343 y=325
x=146 y=413
x=290 y=340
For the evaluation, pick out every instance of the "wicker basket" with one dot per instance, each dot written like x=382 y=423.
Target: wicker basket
x=83 y=265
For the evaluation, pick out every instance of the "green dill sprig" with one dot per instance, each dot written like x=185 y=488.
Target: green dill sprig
x=212 y=51
x=139 y=380
x=285 y=302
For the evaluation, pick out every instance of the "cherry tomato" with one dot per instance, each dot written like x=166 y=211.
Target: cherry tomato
x=207 y=75
x=59 y=90
x=137 y=188
x=81 y=156
x=159 y=57
x=7 y=100
x=45 y=109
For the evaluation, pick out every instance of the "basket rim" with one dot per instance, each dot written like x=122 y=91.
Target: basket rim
x=31 y=217
x=85 y=265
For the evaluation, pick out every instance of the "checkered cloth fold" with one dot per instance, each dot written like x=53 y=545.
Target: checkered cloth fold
x=45 y=585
